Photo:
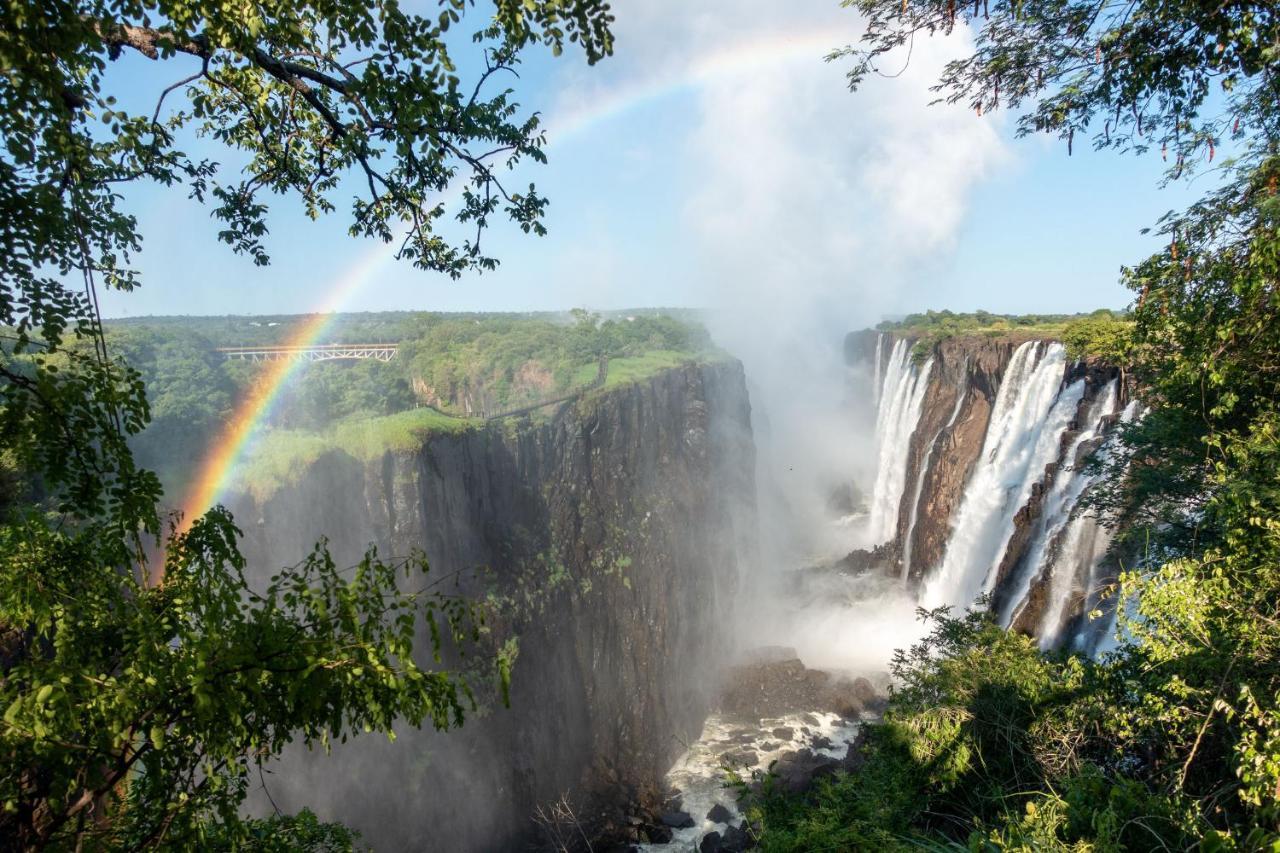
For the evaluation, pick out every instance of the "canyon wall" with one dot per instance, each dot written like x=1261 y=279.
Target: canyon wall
x=992 y=470
x=614 y=533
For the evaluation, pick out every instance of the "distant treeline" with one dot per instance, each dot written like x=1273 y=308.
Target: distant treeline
x=457 y=363
x=1102 y=333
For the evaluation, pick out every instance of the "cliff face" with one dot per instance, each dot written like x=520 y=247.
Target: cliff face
x=964 y=383
x=615 y=533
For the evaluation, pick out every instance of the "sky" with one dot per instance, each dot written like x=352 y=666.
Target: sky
x=715 y=161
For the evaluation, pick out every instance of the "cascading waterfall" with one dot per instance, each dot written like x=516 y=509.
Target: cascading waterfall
x=1031 y=413
x=924 y=471
x=1077 y=561
x=1018 y=531
x=875 y=378
x=902 y=394
x=1056 y=510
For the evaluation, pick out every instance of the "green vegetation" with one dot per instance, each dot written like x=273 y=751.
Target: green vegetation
x=448 y=367
x=1097 y=333
x=468 y=364
x=1101 y=333
x=281 y=456
x=143 y=679
x=1171 y=741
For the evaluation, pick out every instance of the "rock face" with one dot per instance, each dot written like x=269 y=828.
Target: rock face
x=775 y=686
x=610 y=531
x=944 y=450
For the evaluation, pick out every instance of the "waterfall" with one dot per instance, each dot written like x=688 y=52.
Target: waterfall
x=875 y=378
x=901 y=396
x=924 y=470
x=1059 y=502
x=1077 y=560
x=1030 y=414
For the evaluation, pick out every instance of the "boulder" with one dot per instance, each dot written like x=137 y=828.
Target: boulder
x=739 y=758
x=719 y=814
x=710 y=843
x=677 y=820
x=796 y=771
x=735 y=840
x=784 y=733
x=659 y=834
x=772 y=688
x=855 y=757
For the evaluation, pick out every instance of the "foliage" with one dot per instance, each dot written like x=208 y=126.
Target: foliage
x=1168 y=742
x=1144 y=70
x=468 y=364
x=932 y=327
x=286 y=834
x=282 y=456
x=143 y=677
x=990 y=744
x=1101 y=335
x=365 y=408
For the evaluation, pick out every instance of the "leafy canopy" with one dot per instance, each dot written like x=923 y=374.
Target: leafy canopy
x=141 y=677
x=1170 y=741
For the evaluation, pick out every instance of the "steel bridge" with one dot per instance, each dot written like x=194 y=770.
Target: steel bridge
x=317 y=352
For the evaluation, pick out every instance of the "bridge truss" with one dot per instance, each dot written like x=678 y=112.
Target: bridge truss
x=318 y=352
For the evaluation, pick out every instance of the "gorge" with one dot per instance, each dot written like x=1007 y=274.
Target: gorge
x=617 y=537
x=613 y=537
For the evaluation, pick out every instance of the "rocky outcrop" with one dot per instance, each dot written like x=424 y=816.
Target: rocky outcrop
x=613 y=534
x=784 y=685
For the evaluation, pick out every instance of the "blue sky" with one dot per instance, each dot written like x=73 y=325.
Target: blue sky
x=734 y=170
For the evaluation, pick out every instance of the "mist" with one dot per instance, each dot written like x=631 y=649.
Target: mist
x=812 y=214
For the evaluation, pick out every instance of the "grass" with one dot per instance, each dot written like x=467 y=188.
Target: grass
x=279 y=457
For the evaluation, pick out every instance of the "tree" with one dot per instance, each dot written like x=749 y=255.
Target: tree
x=142 y=679
x=1170 y=741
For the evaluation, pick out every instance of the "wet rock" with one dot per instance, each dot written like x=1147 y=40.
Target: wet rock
x=740 y=757
x=735 y=840
x=710 y=843
x=677 y=820
x=878 y=560
x=796 y=771
x=780 y=687
x=719 y=814
x=659 y=834
x=784 y=733
x=855 y=757
x=821 y=742
x=864 y=690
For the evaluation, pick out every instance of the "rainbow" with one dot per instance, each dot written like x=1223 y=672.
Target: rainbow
x=571 y=120
x=225 y=452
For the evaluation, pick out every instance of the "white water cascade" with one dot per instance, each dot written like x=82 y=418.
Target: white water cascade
x=1030 y=414
x=1056 y=513
x=1077 y=560
x=901 y=396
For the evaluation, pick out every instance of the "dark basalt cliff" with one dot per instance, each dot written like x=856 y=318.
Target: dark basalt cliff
x=615 y=532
